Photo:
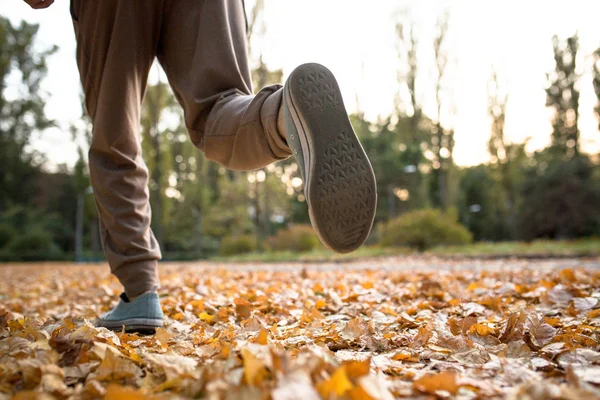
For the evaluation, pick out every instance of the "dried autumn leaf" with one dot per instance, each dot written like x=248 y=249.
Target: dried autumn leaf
x=254 y=370
x=431 y=383
x=421 y=338
x=336 y=385
x=480 y=329
x=163 y=335
x=541 y=332
x=117 y=392
x=114 y=368
x=356 y=369
x=173 y=366
x=295 y=386
x=513 y=327
x=263 y=337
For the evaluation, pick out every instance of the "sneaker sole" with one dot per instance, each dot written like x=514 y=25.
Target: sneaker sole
x=140 y=325
x=340 y=188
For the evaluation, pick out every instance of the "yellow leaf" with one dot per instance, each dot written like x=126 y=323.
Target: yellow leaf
x=337 y=385
x=431 y=383
x=358 y=393
x=225 y=352
x=209 y=319
x=117 y=392
x=178 y=317
x=401 y=356
x=197 y=305
x=591 y=314
x=356 y=369
x=481 y=330
x=367 y=285
x=254 y=370
x=262 y=337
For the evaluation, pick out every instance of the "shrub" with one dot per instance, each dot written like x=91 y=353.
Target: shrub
x=423 y=229
x=6 y=234
x=232 y=245
x=34 y=244
x=297 y=238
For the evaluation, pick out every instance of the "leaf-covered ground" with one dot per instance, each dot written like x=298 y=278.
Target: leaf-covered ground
x=379 y=329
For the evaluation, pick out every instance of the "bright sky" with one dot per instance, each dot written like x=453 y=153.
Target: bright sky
x=356 y=40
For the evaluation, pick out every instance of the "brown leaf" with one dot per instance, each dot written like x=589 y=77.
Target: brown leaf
x=541 y=332
x=513 y=327
x=421 y=338
x=114 y=368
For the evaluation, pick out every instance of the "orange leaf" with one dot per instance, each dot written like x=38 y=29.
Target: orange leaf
x=356 y=369
x=254 y=370
x=431 y=383
x=117 y=392
x=320 y=304
x=481 y=330
x=337 y=385
x=262 y=337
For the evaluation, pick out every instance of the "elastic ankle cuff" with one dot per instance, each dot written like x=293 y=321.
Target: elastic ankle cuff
x=138 y=278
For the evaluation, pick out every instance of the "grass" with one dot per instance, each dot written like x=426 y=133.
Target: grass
x=315 y=255
x=581 y=247
x=538 y=248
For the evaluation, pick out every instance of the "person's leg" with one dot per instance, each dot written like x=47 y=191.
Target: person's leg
x=116 y=45
x=203 y=50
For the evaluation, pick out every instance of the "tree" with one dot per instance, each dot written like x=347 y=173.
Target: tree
x=596 y=77
x=562 y=95
x=506 y=156
x=442 y=139
x=158 y=101
x=411 y=129
x=561 y=198
x=22 y=114
x=259 y=189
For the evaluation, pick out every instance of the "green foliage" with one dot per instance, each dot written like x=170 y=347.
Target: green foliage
x=423 y=229
x=561 y=199
x=296 y=238
x=21 y=115
x=562 y=94
x=596 y=83
x=239 y=244
x=6 y=234
x=538 y=248
x=396 y=154
x=27 y=235
x=482 y=209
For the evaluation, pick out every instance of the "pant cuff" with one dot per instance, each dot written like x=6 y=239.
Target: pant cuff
x=138 y=277
x=270 y=113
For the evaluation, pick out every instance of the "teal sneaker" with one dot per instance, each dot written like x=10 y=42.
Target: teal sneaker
x=339 y=183
x=142 y=315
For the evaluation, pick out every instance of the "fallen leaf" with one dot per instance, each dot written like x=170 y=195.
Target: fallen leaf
x=431 y=383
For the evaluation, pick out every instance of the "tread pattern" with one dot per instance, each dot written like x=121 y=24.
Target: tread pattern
x=345 y=191
x=316 y=90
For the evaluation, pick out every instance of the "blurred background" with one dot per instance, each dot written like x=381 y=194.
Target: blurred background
x=481 y=119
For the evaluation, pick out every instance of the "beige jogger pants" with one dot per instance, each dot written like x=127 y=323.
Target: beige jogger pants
x=201 y=44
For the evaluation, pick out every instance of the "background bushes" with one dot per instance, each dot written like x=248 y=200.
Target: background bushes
x=423 y=229
x=297 y=238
